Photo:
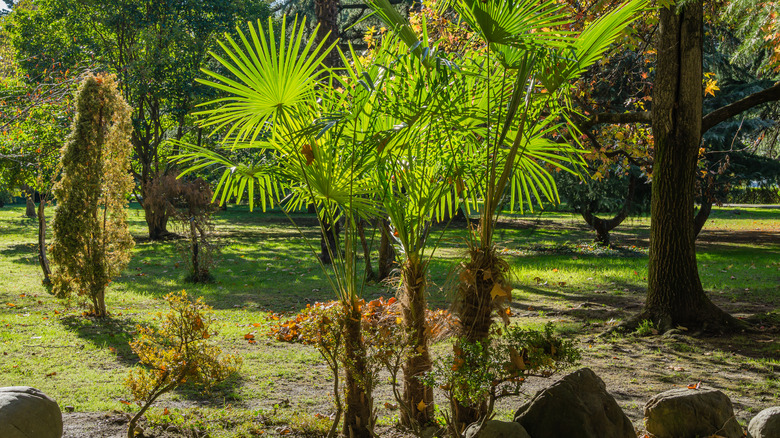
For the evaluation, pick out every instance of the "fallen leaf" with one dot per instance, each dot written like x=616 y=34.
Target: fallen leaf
x=249 y=336
x=421 y=406
x=694 y=385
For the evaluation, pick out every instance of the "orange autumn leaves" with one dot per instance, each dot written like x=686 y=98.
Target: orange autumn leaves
x=379 y=314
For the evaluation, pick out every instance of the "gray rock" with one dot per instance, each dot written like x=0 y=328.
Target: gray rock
x=691 y=413
x=576 y=406
x=766 y=424
x=28 y=413
x=497 y=429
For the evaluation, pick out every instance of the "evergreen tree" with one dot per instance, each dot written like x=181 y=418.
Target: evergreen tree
x=92 y=242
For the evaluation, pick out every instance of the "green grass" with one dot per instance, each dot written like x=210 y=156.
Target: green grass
x=266 y=266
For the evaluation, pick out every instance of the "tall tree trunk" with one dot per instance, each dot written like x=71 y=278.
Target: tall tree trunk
x=327 y=12
x=675 y=295
x=369 y=270
x=604 y=226
x=43 y=260
x=701 y=217
x=358 y=412
x=329 y=241
x=386 y=250
x=30 y=210
x=418 y=397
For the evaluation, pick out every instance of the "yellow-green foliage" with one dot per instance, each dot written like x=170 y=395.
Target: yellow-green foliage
x=178 y=351
x=92 y=242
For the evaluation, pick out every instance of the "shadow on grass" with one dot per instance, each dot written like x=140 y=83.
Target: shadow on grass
x=112 y=333
x=19 y=252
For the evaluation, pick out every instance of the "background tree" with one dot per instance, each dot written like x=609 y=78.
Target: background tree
x=156 y=48
x=188 y=202
x=92 y=241
x=35 y=115
x=675 y=296
x=591 y=196
x=517 y=99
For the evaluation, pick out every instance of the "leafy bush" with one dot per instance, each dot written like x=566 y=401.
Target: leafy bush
x=387 y=343
x=480 y=373
x=178 y=351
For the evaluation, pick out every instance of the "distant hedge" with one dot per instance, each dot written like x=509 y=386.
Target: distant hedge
x=754 y=195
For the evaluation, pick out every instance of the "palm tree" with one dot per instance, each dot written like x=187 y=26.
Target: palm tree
x=415 y=173
x=306 y=129
x=519 y=77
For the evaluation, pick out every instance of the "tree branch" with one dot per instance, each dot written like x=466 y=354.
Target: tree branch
x=617 y=118
x=365 y=6
x=722 y=114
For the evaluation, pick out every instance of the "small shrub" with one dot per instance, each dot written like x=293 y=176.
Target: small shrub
x=187 y=203
x=387 y=345
x=480 y=373
x=92 y=243
x=178 y=351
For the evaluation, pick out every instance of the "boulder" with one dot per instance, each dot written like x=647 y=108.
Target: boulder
x=766 y=424
x=497 y=429
x=28 y=413
x=691 y=413
x=576 y=406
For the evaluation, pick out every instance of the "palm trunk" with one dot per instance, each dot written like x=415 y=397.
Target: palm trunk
x=418 y=397
x=474 y=307
x=358 y=412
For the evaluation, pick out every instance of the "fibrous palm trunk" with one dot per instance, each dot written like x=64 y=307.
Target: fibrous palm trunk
x=474 y=307
x=358 y=385
x=417 y=396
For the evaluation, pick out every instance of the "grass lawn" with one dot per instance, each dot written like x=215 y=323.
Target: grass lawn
x=267 y=268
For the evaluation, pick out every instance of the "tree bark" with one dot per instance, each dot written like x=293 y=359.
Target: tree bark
x=675 y=295
x=604 y=226
x=701 y=217
x=327 y=12
x=386 y=251
x=42 y=258
x=369 y=270
x=30 y=210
